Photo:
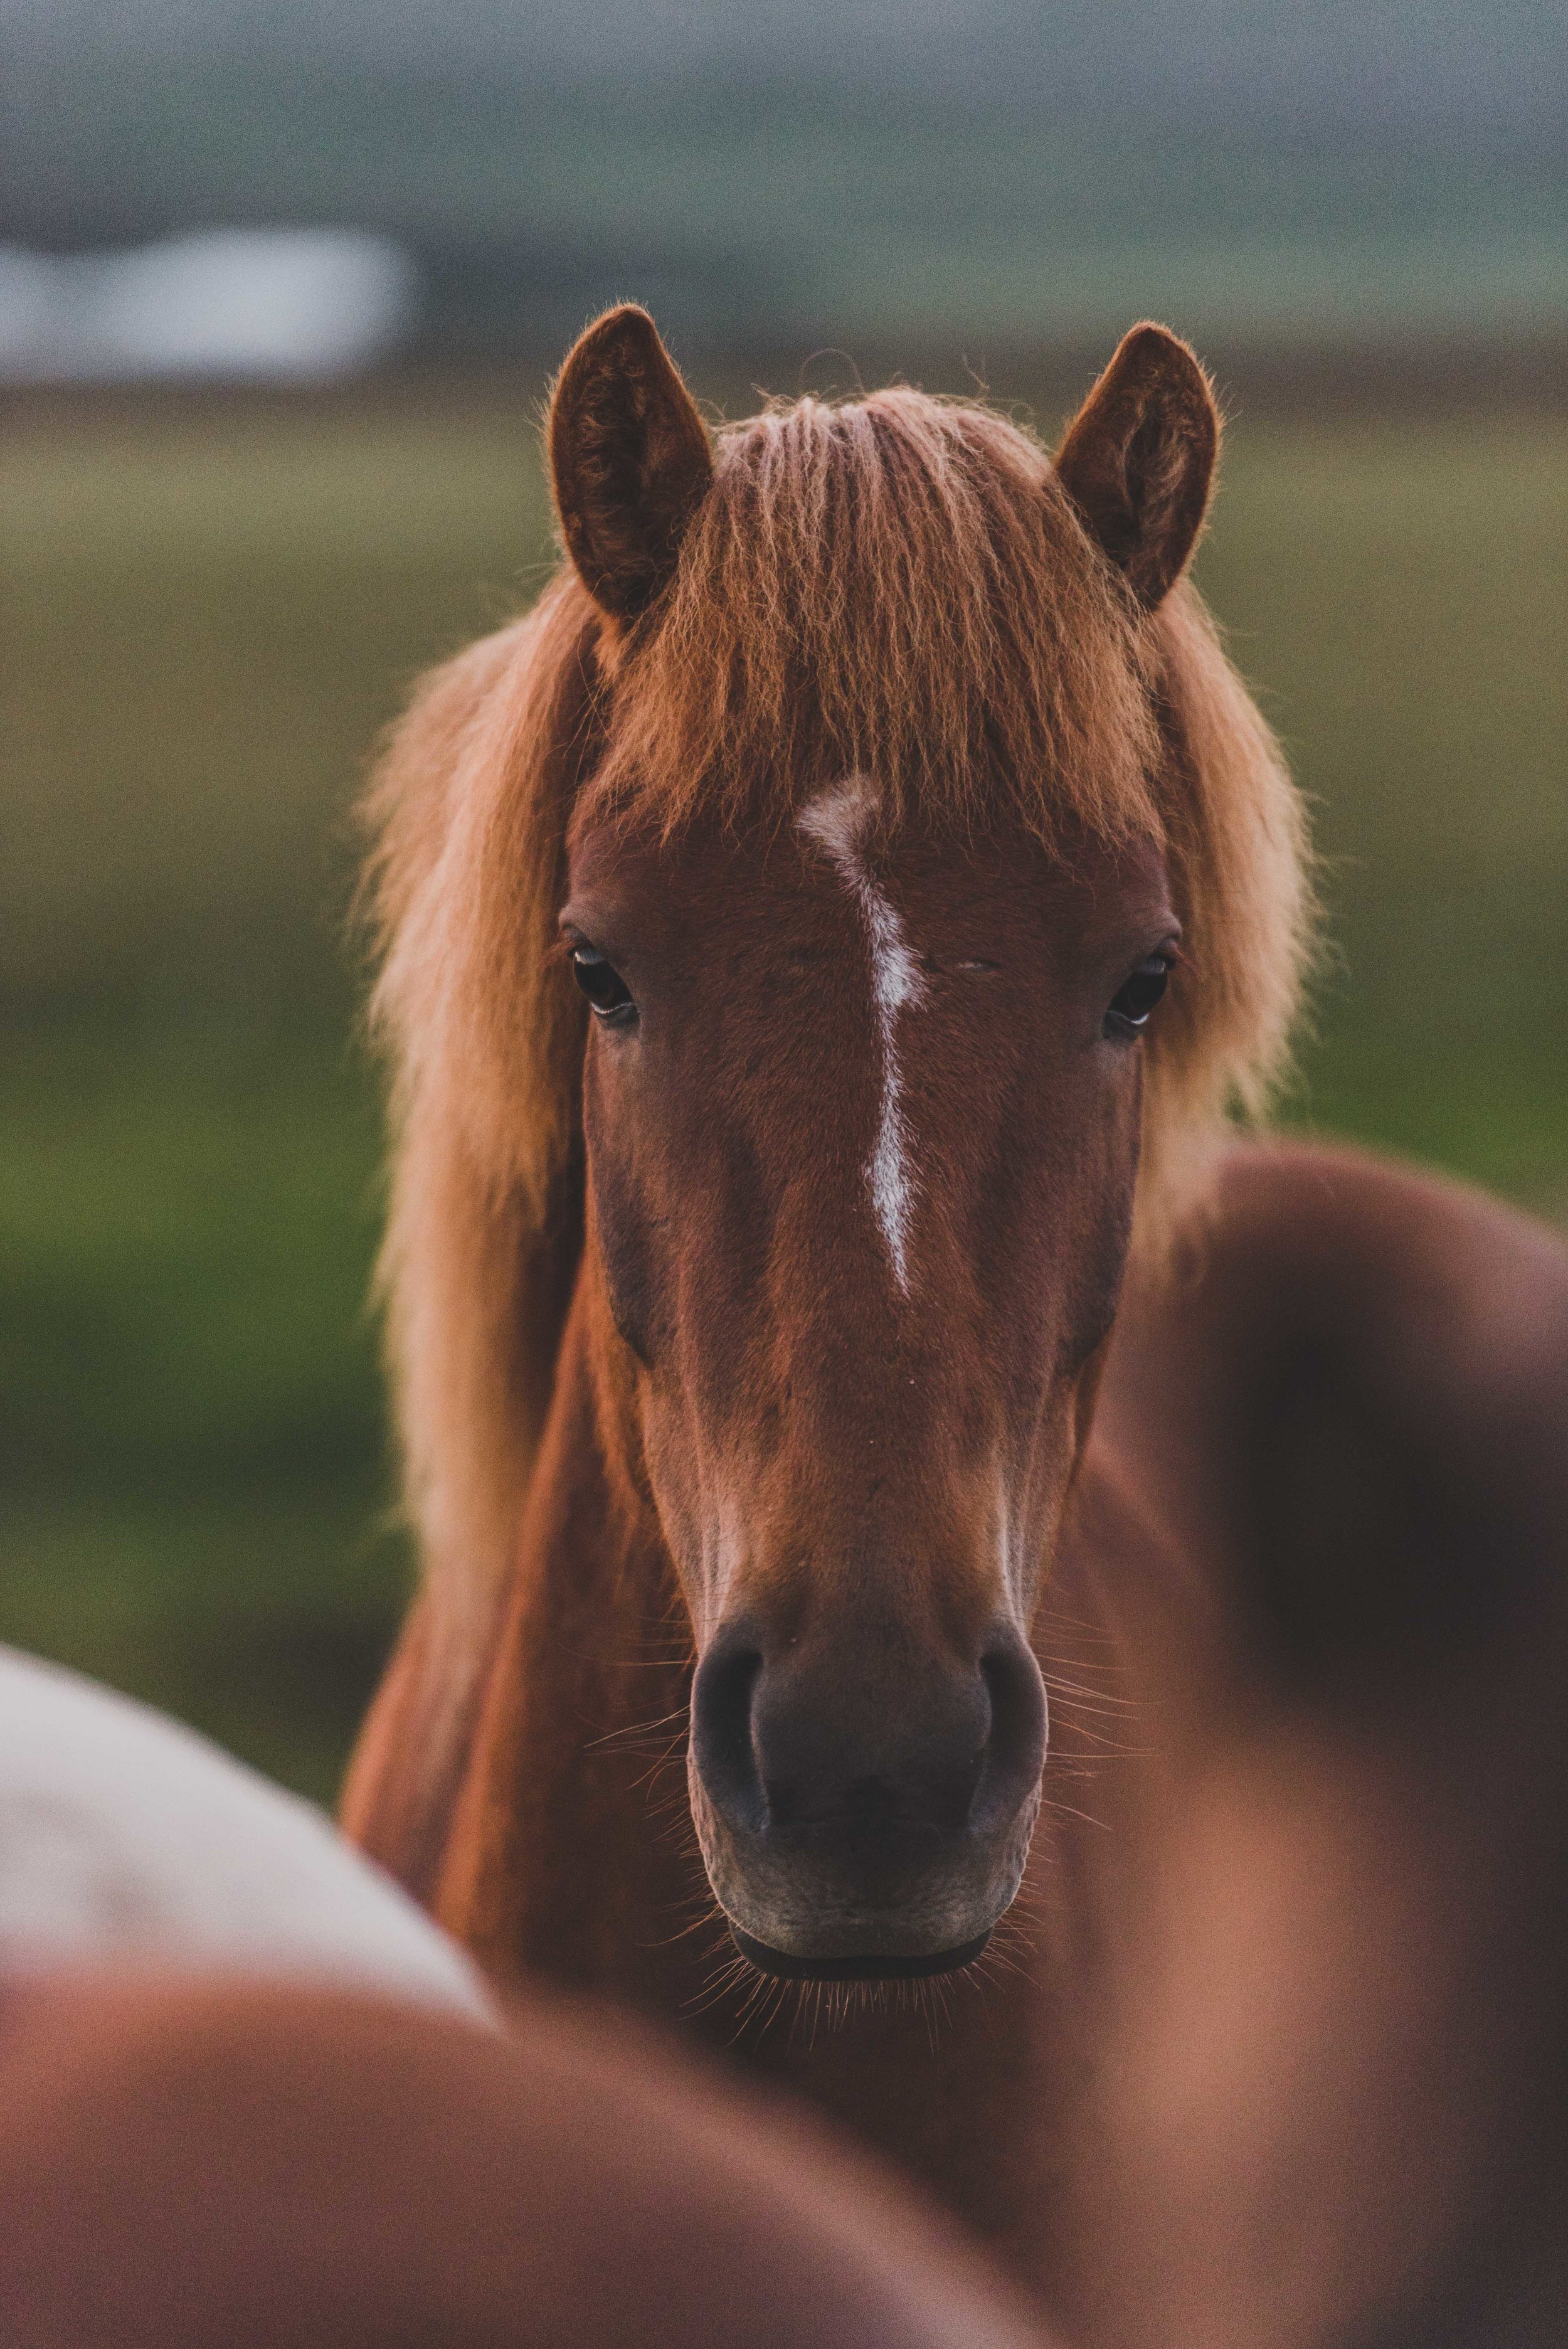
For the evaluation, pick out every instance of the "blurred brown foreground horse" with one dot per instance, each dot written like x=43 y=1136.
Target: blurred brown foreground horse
x=242 y=2165
x=846 y=1311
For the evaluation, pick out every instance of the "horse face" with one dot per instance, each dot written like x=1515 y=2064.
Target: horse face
x=863 y=1103
x=861 y=1118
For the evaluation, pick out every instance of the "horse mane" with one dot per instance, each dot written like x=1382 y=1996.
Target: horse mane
x=897 y=586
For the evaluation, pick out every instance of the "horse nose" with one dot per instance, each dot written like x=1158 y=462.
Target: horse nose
x=837 y=1748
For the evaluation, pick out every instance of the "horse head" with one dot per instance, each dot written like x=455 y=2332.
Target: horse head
x=862 y=1091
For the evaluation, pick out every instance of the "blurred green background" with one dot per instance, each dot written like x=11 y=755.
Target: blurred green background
x=213 y=606
x=216 y=601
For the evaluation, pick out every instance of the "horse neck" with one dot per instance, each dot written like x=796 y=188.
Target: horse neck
x=570 y=1852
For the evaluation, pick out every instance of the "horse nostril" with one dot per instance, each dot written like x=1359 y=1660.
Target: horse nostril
x=1016 y=1751
x=849 y=1753
x=721 y=1741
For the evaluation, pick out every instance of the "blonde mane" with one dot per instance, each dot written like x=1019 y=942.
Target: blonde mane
x=897 y=586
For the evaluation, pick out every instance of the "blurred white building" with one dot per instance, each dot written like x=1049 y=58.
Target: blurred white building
x=259 y=305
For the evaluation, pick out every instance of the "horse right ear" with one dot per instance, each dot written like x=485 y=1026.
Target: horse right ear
x=1139 y=458
x=631 y=461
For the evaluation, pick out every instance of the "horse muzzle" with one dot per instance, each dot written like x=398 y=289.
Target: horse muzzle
x=864 y=1815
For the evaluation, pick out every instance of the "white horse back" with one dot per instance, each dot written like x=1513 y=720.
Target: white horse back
x=127 y=1839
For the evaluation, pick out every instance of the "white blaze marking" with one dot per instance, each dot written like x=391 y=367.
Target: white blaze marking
x=838 y=821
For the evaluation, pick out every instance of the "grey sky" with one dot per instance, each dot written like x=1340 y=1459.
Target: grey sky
x=1351 y=59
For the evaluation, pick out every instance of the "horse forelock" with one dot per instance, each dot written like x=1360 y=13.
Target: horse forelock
x=895 y=588
x=898 y=588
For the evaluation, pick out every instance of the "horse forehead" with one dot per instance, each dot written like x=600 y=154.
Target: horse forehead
x=833 y=858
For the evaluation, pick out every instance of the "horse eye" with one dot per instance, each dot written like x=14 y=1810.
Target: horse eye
x=1133 y=1002
x=602 y=985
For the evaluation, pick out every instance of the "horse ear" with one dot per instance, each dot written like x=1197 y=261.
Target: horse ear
x=629 y=458
x=1139 y=458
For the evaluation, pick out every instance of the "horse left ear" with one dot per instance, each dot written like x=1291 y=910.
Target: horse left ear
x=1139 y=458
x=631 y=460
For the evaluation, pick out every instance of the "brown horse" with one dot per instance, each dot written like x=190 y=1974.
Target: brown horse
x=938 y=898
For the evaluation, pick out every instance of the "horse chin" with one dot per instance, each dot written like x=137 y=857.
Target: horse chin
x=883 y=1967
x=818 y=1934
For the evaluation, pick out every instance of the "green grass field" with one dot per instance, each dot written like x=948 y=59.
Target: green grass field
x=214 y=607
